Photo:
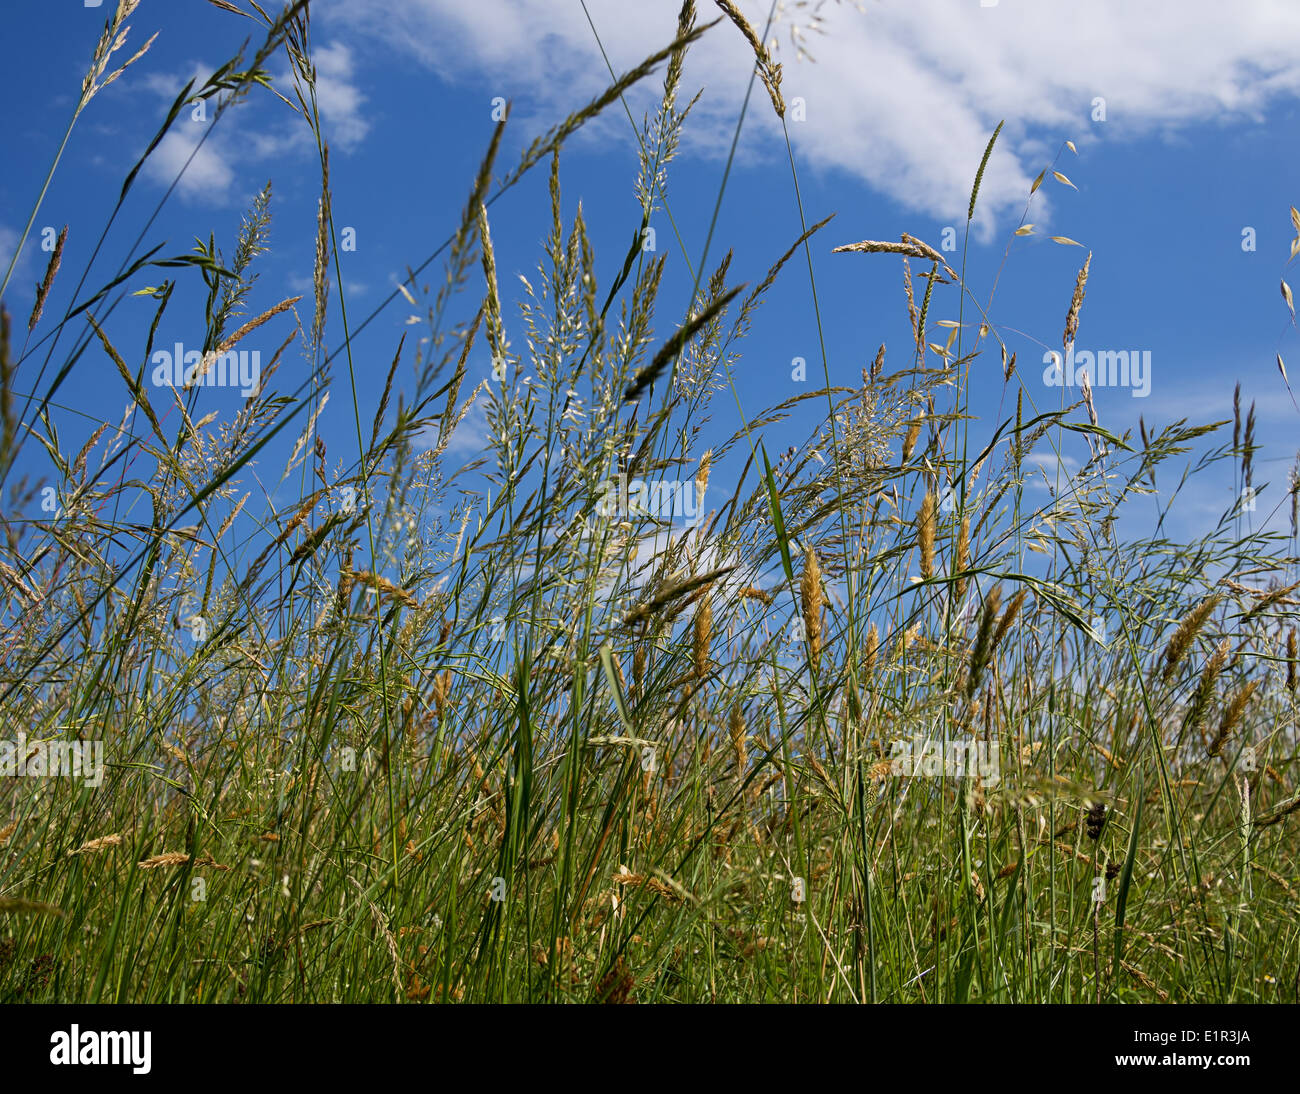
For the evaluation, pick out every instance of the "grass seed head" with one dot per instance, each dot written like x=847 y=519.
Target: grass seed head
x=1188 y=628
x=909 y=441
x=703 y=634
x=1076 y=302
x=1094 y=820
x=43 y=290
x=702 y=480
x=1205 y=688
x=1232 y=714
x=962 y=559
x=982 y=651
x=103 y=843
x=736 y=730
x=811 y=600
x=925 y=534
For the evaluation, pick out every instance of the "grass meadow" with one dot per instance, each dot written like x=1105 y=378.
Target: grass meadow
x=879 y=723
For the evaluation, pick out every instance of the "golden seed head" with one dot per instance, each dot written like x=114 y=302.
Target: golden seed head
x=736 y=730
x=1205 y=687
x=1232 y=715
x=925 y=534
x=909 y=442
x=768 y=70
x=906 y=636
x=1188 y=628
x=382 y=587
x=638 y=666
x=811 y=600
x=1004 y=624
x=1072 y=319
x=441 y=690
x=703 y=634
x=702 y=480
x=869 y=656
x=167 y=858
x=985 y=639
x=962 y=559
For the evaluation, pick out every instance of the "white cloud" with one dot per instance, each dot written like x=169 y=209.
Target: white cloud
x=307 y=285
x=9 y=244
x=168 y=87
x=206 y=177
x=210 y=175
x=1202 y=401
x=1048 y=471
x=903 y=94
x=338 y=97
x=470 y=436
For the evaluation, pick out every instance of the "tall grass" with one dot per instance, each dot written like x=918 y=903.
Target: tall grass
x=427 y=735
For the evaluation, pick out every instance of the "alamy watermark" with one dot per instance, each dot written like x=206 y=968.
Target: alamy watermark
x=664 y=499
x=115 y=1048
x=178 y=367
x=958 y=756
x=22 y=758
x=1105 y=368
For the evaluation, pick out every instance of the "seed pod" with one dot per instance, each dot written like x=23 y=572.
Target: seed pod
x=1094 y=820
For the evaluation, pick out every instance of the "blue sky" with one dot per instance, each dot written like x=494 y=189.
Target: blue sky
x=899 y=99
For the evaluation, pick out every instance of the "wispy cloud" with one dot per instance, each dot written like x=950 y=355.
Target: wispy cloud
x=210 y=175
x=9 y=244
x=341 y=101
x=1048 y=469
x=904 y=93
x=168 y=85
x=201 y=171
